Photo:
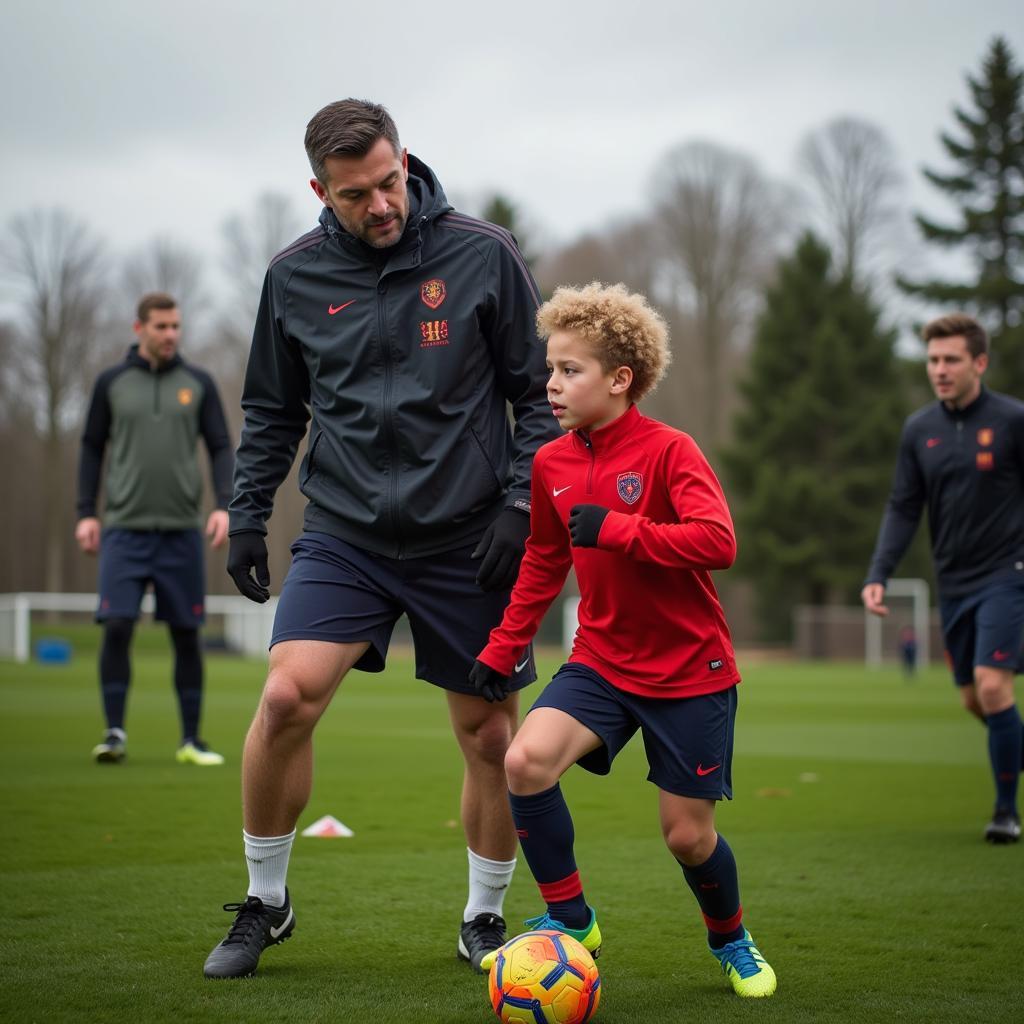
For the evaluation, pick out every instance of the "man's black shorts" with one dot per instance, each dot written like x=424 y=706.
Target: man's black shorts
x=342 y=594
x=172 y=560
x=688 y=740
x=984 y=628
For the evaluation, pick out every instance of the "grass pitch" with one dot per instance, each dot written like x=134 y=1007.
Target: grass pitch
x=860 y=803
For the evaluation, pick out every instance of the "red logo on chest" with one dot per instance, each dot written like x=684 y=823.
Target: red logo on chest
x=433 y=292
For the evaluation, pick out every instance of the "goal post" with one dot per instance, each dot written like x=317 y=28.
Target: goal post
x=247 y=626
x=918 y=592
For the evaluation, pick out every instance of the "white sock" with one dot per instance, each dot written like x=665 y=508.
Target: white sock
x=488 y=880
x=267 y=860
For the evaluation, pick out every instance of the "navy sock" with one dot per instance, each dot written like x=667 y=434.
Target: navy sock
x=188 y=679
x=546 y=835
x=716 y=885
x=1004 y=751
x=115 y=669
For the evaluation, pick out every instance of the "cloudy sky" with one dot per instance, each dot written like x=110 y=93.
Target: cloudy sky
x=160 y=119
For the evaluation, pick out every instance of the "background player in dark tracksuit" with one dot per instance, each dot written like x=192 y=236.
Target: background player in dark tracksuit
x=633 y=506
x=150 y=411
x=963 y=456
x=403 y=329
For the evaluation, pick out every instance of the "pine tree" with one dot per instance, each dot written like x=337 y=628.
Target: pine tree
x=988 y=186
x=815 y=440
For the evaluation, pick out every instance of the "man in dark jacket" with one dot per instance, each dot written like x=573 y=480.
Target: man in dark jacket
x=963 y=457
x=149 y=412
x=403 y=330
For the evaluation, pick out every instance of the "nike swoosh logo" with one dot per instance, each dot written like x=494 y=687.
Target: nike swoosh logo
x=275 y=933
x=337 y=309
x=556 y=491
x=701 y=770
x=933 y=441
x=521 y=665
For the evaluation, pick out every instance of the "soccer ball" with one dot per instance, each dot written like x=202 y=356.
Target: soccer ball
x=544 y=978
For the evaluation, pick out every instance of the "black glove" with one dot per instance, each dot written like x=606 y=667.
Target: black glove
x=501 y=548
x=585 y=524
x=489 y=684
x=247 y=550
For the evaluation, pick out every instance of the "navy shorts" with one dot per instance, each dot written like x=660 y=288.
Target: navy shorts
x=172 y=560
x=342 y=594
x=688 y=739
x=984 y=628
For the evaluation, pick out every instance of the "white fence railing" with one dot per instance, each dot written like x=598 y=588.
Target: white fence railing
x=247 y=626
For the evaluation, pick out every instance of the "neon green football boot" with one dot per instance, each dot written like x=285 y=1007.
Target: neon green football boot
x=742 y=963
x=589 y=938
x=197 y=752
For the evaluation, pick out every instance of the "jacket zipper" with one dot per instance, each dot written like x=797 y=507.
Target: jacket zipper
x=585 y=438
x=389 y=425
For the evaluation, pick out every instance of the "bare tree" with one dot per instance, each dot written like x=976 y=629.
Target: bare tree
x=164 y=265
x=55 y=268
x=721 y=222
x=855 y=177
x=251 y=242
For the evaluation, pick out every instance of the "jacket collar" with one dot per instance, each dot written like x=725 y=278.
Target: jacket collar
x=968 y=410
x=135 y=359
x=611 y=434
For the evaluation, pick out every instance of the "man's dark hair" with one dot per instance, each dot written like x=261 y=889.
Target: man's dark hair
x=954 y=324
x=347 y=128
x=154 y=300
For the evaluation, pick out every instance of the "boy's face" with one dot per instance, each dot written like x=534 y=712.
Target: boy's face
x=581 y=392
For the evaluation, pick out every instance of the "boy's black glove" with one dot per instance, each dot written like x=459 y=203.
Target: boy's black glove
x=585 y=524
x=491 y=685
x=501 y=549
x=247 y=550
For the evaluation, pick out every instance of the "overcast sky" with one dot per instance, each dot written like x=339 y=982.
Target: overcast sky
x=160 y=119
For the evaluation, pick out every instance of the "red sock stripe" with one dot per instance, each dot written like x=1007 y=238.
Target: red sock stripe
x=730 y=924
x=565 y=889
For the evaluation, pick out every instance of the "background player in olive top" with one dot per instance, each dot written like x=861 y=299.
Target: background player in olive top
x=404 y=329
x=963 y=457
x=147 y=413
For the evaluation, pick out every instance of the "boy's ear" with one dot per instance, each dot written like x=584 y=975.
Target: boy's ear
x=622 y=380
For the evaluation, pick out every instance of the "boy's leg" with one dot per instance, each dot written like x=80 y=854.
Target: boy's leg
x=549 y=741
x=710 y=870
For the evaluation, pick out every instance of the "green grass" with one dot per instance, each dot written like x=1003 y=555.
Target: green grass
x=860 y=802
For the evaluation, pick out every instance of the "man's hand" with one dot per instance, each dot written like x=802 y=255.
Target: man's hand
x=501 y=549
x=247 y=550
x=217 y=527
x=585 y=524
x=873 y=595
x=488 y=683
x=87 y=534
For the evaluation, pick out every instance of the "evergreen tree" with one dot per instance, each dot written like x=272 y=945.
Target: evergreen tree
x=502 y=211
x=815 y=440
x=988 y=186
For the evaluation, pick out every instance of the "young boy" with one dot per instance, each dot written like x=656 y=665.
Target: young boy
x=633 y=506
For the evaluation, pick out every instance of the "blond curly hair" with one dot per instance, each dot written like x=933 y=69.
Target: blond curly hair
x=620 y=326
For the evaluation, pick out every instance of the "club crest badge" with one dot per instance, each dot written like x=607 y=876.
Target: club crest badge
x=630 y=486
x=184 y=396
x=432 y=292
x=985 y=437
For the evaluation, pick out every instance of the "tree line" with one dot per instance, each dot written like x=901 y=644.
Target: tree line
x=790 y=302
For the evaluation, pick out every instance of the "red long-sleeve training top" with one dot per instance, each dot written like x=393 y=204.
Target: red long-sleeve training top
x=649 y=617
